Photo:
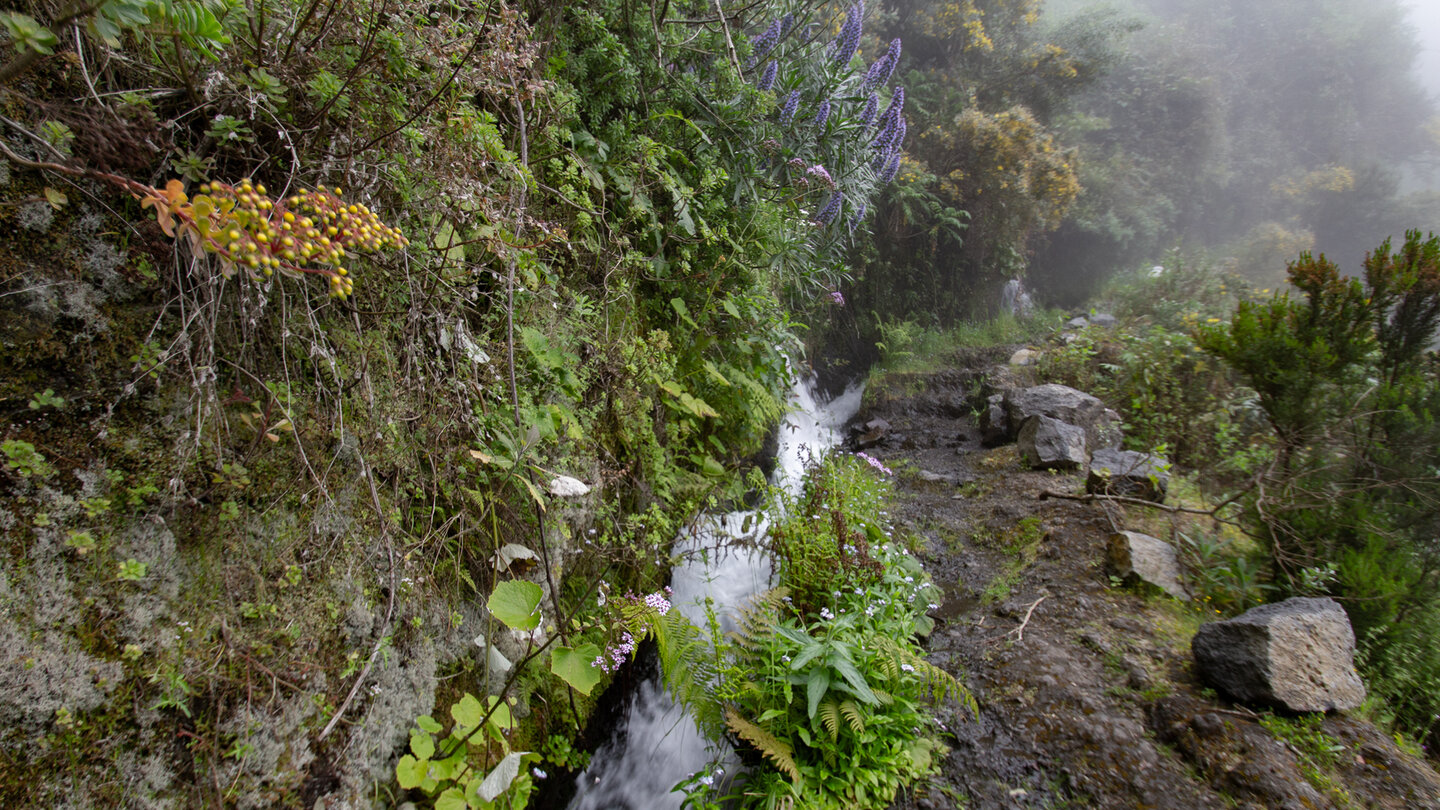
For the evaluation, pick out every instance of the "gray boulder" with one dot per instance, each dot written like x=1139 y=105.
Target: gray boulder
x=1129 y=474
x=1058 y=402
x=994 y=425
x=1140 y=558
x=1104 y=319
x=1297 y=655
x=1050 y=444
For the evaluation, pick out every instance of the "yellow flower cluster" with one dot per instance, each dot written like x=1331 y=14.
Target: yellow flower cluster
x=309 y=232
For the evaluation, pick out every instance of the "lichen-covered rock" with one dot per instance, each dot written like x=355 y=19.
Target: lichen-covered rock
x=1136 y=557
x=1050 y=444
x=1297 y=655
x=1128 y=473
x=1024 y=357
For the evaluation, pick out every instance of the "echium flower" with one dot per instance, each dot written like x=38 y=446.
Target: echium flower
x=821 y=115
x=867 y=115
x=848 y=40
x=764 y=43
x=880 y=72
x=787 y=110
x=892 y=112
x=831 y=209
x=892 y=167
x=786 y=23
x=821 y=175
x=767 y=76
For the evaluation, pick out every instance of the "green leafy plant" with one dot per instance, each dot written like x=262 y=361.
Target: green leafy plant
x=25 y=460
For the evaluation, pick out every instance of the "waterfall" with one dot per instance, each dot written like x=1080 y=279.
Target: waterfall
x=658 y=745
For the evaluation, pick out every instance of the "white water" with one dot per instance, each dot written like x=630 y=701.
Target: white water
x=658 y=745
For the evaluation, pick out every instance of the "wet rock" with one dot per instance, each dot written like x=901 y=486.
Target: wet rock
x=1140 y=558
x=994 y=424
x=1297 y=655
x=873 y=432
x=1128 y=474
x=1024 y=357
x=1059 y=402
x=1236 y=756
x=1050 y=444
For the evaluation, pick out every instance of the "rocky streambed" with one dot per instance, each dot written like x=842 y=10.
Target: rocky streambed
x=1088 y=689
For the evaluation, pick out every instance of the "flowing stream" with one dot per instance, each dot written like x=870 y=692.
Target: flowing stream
x=658 y=745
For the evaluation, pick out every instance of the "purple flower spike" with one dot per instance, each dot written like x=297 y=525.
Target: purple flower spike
x=765 y=42
x=831 y=209
x=786 y=23
x=892 y=167
x=837 y=298
x=822 y=115
x=787 y=110
x=767 y=77
x=867 y=116
x=880 y=72
x=848 y=40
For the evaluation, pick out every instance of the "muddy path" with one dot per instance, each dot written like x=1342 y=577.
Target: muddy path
x=1087 y=690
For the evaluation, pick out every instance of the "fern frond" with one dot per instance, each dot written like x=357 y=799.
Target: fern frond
x=851 y=712
x=829 y=714
x=776 y=750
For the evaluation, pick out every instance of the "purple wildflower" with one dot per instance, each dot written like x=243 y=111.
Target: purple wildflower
x=892 y=112
x=770 y=145
x=658 y=602
x=867 y=115
x=831 y=209
x=821 y=175
x=767 y=76
x=798 y=164
x=787 y=110
x=822 y=115
x=786 y=23
x=874 y=462
x=837 y=298
x=848 y=41
x=765 y=42
x=892 y=167
x=880 y=72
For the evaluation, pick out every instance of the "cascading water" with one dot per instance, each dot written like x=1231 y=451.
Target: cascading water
x=658 y=745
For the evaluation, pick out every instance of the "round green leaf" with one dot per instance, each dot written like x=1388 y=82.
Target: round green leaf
x=515 y=603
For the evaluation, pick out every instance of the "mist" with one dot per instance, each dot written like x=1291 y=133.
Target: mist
x=1246 y=133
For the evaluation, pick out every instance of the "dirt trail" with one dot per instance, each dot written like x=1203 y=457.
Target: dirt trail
x=1088 y=693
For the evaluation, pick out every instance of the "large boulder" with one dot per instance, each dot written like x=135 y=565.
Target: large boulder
x=1297 y=655
x=1062 y=403
x=1140 y=558
x=1128 y=473
x=1050 y=444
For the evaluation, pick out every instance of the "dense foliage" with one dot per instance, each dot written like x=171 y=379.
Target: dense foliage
x=562 y=251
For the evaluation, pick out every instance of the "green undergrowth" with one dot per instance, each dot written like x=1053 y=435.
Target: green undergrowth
x=825 y=689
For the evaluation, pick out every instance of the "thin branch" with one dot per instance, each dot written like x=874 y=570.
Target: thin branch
x=1020 y=631
x=1090 y=498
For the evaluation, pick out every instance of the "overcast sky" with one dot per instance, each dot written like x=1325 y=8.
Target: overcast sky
x=1425 y=16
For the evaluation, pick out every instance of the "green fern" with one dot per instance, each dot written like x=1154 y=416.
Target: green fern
x=777 y=751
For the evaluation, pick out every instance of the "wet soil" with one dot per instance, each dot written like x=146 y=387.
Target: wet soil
x=1087 y=691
